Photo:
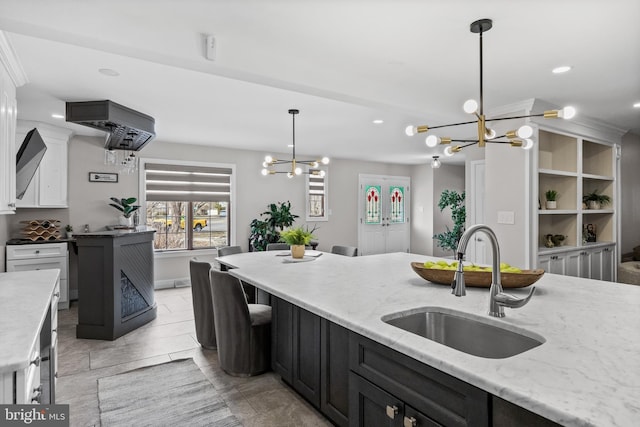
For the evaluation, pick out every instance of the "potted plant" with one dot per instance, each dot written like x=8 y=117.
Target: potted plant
x=127 y=207
x=450 y=238
x=69 y=230
x=297 y=238
x=267 y=230
x=595 y=200
x=551 y=196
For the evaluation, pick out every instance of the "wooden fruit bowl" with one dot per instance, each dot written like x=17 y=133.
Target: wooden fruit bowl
x=480 y=279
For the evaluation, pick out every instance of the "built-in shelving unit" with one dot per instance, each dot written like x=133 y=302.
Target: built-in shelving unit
x=574 y=166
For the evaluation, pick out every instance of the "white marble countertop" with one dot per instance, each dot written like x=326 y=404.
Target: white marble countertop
x=26 y=297
x=587 y=373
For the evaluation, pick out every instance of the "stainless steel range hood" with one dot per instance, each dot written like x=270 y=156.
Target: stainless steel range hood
x=128 y=129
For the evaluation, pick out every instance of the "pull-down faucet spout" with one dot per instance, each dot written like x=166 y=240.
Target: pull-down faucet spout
x=497 y=298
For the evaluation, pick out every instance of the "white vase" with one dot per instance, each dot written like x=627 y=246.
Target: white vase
x=551 y=204
x=127 y=222
x=594 y=204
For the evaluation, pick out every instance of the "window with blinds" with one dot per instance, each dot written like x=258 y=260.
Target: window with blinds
x=316 y=187
x=188 y=204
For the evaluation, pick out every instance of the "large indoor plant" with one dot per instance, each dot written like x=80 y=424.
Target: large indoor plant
x=126 y=207
x=267 y=230
x=297 y=238
x=449 y=239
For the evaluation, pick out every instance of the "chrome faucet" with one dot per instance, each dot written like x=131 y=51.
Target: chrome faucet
x=497 y=298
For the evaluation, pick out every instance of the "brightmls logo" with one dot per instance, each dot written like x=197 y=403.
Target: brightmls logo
x=34 y=415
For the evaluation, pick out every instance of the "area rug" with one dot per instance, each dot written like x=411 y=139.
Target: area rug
x=170 y=394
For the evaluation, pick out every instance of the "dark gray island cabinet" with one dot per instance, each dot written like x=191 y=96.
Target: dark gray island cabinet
x=115 y=283
x=355 y=381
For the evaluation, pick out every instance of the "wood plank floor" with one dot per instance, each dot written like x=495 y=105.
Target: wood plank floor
x=257 y=401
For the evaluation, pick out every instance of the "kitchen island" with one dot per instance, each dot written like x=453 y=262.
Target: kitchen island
x=586 y=373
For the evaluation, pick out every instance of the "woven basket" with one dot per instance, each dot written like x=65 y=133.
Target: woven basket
x=480 y=279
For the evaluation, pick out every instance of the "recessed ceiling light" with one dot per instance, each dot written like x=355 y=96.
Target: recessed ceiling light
x=57 y=116
x=109 y=72
x=636 y=105
x=378 y=121
x=561 y=69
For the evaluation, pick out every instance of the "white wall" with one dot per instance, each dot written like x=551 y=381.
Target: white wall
x=630 y=197
x=422 y=202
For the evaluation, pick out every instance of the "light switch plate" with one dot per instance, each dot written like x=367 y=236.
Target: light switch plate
x=506 y=217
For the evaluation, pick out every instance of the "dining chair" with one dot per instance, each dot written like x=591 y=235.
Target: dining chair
x=344 y=250
x=202 y=303
x=277 y=246
x=243 y=330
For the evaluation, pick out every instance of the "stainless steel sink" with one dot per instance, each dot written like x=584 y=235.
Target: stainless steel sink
x=467 y=333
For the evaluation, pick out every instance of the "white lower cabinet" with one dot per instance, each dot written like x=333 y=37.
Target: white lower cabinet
x=42 y=256
x=588 y=262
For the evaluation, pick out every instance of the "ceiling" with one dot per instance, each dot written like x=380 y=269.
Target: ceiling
x=342 y=63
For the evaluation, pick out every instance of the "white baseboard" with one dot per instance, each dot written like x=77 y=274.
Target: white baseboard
x=172 y=283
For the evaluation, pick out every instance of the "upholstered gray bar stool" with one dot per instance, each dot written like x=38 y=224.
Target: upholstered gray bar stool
x=228 y=250
x=344 y=250
x=278 y=246
x=202 y=303
x=249 y=290
x=243 y=330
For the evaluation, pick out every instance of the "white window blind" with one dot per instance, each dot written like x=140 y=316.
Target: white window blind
x=187 y=183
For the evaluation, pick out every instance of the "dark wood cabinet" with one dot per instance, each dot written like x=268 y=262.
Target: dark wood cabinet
x=282 y=338
x=306 y=355
x=438 y=398
x=311 y=354
x=334 y=372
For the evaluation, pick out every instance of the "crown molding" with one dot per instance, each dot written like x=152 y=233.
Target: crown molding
x=11 y=62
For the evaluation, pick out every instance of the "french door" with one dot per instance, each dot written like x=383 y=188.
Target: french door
x=383 y=223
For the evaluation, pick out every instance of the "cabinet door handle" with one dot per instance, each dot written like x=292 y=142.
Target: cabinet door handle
x=37 y=252
x=57 y=294
x=12 y=205
x=392 y=411
x=36 y=361
x=410 y=422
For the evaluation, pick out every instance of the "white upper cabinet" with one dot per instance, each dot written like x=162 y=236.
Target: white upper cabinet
x=48 y=188
x=11 y=76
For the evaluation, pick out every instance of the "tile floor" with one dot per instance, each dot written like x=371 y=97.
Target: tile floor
x=258 y=401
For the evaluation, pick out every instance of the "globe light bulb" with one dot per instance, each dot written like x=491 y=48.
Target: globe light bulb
x=314 y=165
x=490 y=133
x=289 y=175
x=527 y=144
x=470 y=106
x=325 y=160
x=264 y=172
x=322 y=174
x=268 y=159
x=298 y=171
x=265 y=164
x=567 y=113
x=524 y=132
x=410 y=130
x=432 y=141
x=448 y=151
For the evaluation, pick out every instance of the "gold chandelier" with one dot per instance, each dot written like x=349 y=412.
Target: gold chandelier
x=270 y=161
x=520 y=137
